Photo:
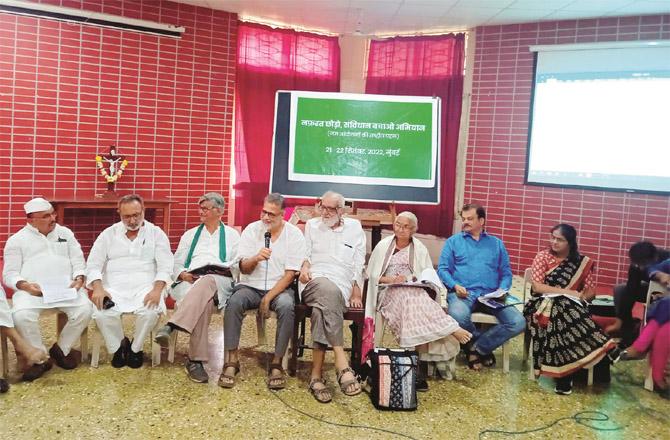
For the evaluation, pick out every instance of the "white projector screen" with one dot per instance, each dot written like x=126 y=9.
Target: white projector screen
x=599 y=117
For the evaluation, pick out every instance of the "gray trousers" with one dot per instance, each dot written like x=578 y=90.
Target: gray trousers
x=328 y=307
x=247 y=298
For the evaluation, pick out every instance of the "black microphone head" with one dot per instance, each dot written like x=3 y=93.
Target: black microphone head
x=267 y=239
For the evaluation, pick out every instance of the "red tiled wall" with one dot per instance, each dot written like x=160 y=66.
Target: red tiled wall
x=607 y=222
x=68 y=91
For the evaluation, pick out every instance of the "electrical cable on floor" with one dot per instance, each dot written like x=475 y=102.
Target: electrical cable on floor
x=581 y=418
x=343 y=425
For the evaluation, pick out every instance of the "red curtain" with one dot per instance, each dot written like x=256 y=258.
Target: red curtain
x=269 y=60
x=426 y=66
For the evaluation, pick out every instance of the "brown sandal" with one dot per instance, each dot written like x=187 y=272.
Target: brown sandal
x=231 y=382
x=280 y=377
x=322 y=395
x=344 y=384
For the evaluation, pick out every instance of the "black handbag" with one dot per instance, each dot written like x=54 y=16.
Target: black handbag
x=391 y=376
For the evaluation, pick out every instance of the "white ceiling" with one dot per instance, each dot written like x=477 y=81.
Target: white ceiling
x=384 y=17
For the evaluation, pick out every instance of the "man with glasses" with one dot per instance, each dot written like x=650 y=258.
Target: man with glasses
x=44 y=262
x=332 y=274
x=128 y=269
x=271 y=251
x=474 y=263
x=204 y=281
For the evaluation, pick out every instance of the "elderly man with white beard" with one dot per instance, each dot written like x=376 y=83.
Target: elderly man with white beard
x=46 y=257
x=332 y=275
x=128 y=268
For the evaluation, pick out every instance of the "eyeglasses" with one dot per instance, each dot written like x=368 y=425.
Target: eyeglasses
x=402 y=226
x=329 y=209
x=205 y=209
x=136 y=216
x=269 y=214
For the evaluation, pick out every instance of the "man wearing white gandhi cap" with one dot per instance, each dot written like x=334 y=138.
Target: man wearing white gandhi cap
x=45 y=256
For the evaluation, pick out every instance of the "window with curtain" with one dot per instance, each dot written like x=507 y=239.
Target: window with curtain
x=269 y=60
x=426 y=66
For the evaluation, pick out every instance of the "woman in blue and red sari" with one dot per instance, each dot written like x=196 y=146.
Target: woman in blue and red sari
x=565 y=338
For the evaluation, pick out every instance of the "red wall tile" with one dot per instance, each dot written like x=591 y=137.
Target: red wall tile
x=608 y=223
x=70 y=90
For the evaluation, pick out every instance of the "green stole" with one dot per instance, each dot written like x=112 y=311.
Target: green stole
x=222 y=244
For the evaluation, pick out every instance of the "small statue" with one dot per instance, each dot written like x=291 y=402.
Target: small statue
x=114 y=170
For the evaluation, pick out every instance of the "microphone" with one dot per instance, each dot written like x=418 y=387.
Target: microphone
x=267 y=236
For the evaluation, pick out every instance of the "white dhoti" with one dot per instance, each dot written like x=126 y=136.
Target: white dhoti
x=111 y=326
x=78 y=317
x=27 y=308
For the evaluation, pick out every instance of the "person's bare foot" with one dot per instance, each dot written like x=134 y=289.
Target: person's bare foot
x=463 y=336
x=615 y=327
x=35 y=355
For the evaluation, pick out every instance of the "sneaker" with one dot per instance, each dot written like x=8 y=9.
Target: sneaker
x=162 y=337
x=196 y=371
x=563 y=387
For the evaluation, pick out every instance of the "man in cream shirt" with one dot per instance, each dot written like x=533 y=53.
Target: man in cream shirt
x=210 y=243
x=45 y=255
x=271 y=252
x=333 y=277
x=130 y=263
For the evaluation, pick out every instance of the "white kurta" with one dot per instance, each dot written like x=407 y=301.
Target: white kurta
x=128 y=269
x=206 y=252
x=5 y=313
x=31 y=256
x=337 y=254
x=288 y=253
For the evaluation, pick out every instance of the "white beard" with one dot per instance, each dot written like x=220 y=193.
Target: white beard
x=331 y=222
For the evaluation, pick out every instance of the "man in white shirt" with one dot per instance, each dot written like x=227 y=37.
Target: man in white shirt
x=44 y=262
x=130 y=265
x=271 y=252
x=333 y=277
x=210 y=250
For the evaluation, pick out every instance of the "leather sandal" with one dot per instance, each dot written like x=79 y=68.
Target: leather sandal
x=474 y=360
x=280 y=377
x=322 y=395
x=230 y=382
x=344 y=384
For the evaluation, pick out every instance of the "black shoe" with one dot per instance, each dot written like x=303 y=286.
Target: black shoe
x=4 y=386
x=68 y=362
x=135 y=360
x=421 y=385
x=563 y=386
x=36 y=371
x=120 y=358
